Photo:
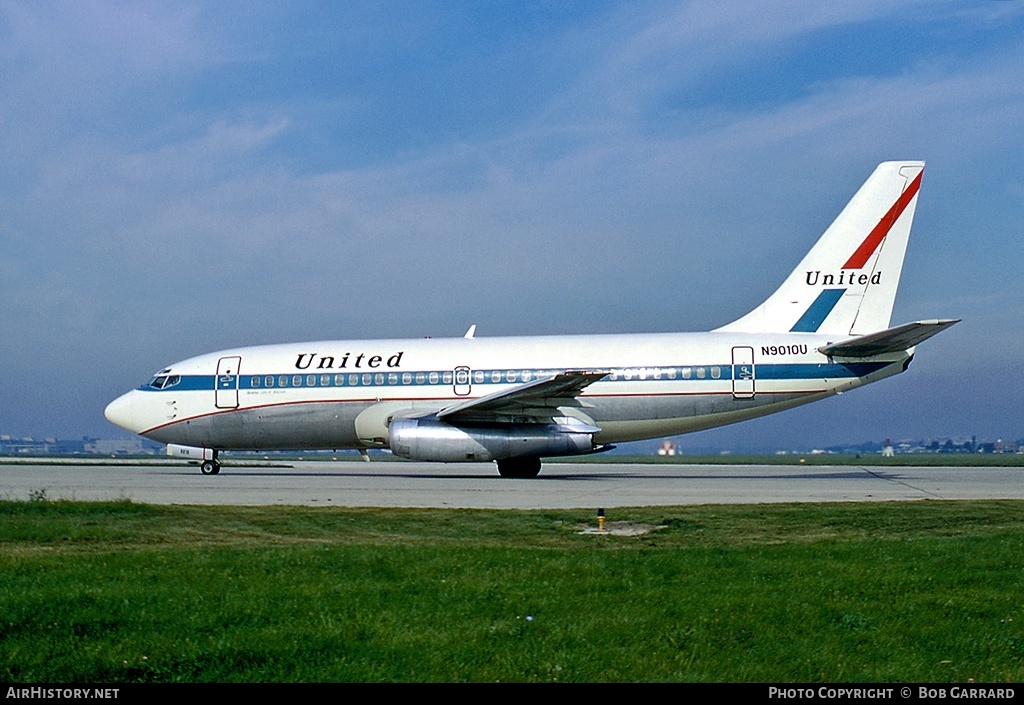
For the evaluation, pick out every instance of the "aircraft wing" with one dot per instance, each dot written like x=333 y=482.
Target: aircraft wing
x=895 y=339
x=538 y=399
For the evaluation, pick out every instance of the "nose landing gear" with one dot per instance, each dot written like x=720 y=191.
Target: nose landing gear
x=211 y=466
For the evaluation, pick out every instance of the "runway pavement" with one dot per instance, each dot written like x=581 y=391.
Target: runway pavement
x=560 y=485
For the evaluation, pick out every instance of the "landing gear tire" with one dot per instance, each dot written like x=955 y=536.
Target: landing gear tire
x=210 y=467
x=519 y=468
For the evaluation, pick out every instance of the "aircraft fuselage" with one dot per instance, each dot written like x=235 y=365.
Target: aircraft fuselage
x=309 y=395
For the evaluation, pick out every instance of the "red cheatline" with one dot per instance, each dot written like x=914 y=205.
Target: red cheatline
x=875 y=237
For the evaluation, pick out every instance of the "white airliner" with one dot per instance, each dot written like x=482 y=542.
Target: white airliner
x=516 y=400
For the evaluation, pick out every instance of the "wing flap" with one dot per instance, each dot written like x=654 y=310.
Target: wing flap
x=896 y=339
x=540 y=398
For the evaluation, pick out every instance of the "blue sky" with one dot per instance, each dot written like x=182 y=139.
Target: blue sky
x=181 y=177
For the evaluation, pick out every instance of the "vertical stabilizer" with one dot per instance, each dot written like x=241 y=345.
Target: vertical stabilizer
x=847 y=283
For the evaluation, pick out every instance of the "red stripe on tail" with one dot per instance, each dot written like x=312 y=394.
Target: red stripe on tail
x=875 y=237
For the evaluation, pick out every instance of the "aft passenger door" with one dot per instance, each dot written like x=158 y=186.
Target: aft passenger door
x=227 y=382
x=743 y=372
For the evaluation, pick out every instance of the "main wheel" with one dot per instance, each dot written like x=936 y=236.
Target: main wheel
x=519 y=467
x=210 y=467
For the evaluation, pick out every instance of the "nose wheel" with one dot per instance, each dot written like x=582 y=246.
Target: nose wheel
x=210 y=467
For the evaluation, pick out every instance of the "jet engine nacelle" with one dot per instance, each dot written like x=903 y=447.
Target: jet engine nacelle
x=430 y=439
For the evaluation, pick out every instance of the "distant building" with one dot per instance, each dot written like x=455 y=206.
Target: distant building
x=1002 y=446
x=114 y=447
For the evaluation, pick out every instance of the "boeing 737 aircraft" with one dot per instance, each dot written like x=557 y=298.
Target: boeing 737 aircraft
x=516 y=400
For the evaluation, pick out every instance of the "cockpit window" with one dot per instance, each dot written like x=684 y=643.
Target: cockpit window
x=162 y=381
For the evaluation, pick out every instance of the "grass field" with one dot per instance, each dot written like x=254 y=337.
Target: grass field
x=123 y=592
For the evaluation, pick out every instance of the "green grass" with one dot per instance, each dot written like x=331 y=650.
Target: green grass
x=122 y=592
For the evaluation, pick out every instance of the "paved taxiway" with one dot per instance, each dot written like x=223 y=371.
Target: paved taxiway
x=560 y=485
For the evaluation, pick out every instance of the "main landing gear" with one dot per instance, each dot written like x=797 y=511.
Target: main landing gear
x=519 y=468
x=211 y=466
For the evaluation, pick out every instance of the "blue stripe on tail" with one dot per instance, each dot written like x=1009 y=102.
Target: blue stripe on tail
x=818 y=311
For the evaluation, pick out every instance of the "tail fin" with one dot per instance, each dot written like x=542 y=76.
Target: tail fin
x=846 y=284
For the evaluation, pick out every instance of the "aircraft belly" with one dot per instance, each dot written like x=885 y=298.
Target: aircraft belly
x=293 y=426
x=640 y=418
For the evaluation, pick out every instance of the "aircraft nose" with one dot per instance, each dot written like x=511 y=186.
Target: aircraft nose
x=121 y=412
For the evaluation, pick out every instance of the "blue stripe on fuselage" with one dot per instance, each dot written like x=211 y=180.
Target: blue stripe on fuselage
x=763 y=371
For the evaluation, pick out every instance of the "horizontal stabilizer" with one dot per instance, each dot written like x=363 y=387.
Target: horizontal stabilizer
x=895 y=339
